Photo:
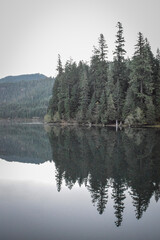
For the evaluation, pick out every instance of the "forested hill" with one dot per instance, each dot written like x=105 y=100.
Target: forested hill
x=25 y=96
x=124 y=90
x=19 y=78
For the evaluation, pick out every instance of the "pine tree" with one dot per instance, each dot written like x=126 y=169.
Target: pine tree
x=141 y=78
x=99 y=67
x=150 y=112
x=103 y=48
x=99 y=76
x=54 y=104
x=59 y=65
x=111 y=111
x=103 y=107
x=84 y=93
x=119 y=51
x=61 y=96
x=156 y=100
x=119 y=72
x=129 y=105
x=67 y=105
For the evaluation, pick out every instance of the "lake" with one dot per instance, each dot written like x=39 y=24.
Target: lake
x=79 y=183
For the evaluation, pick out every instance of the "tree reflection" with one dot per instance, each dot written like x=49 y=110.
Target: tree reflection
x=102 y=158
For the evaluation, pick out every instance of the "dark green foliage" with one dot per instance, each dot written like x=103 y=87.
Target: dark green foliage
x=25 y=99
x=141 y=80
x=59 y=65
x=119 y=73
x=111 y=111
x=84 y=93
x=156 y=96
x=150 y=112
x=104 y=92
x=129 y=105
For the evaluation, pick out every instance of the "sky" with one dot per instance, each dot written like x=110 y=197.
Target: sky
x=34 y=32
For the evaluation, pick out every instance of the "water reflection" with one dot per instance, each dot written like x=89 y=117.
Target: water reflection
x=99 y=158
x=102 y=158
x=24 y=143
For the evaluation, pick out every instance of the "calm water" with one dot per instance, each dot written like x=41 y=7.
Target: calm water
x=79 y=183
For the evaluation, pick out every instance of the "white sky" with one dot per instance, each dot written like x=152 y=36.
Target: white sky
x=33 y=32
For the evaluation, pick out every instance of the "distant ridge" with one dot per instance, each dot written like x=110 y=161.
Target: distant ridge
x=25 y=96
x=24 y=77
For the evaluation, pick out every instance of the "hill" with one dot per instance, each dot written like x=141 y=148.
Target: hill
x=25 y=96
x=25 y=77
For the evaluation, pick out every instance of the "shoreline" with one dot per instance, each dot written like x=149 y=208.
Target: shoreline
x=64 y=124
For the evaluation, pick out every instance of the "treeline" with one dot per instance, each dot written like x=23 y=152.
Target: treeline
x=103 y=92
x=24 y=97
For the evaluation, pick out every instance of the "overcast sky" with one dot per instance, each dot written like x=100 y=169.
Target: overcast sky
x=33 y=32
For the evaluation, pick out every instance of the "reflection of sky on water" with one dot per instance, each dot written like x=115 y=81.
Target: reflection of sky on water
x=31 y=208
x=34 y=172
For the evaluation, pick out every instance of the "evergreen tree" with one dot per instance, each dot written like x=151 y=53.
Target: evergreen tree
x=99 y=67
x=55 y=104
x=59 y=65
x=156 y=99
x=119 y=72
x=103 y=49
x=67 y=105
x=61 y=96
x=103 y=107
x=141 y=78
x=150 y=112
x=99 y=76
x=84 y=93
x=129 y=105
x=111 y=111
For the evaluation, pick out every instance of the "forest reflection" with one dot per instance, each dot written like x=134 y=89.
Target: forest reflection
x=102 y=158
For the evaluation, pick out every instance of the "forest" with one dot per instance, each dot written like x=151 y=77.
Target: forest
x=25 y=96
x=125 y=90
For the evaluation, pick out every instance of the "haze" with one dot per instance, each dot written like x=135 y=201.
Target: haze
x=33 y=33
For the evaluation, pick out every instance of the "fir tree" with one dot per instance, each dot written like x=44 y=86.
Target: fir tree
x=54 y=104
x=84 y=93
x=141 y=78
x=156 y=99
x=119 y=72
x=98 y=78
x=59 y=65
